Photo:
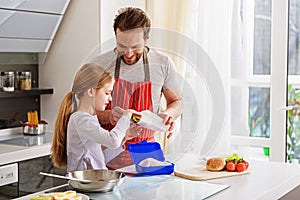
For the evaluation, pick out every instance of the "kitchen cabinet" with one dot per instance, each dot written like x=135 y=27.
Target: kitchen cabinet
x=46 y=6
x=19 y=30
x=21 y=160
x=29 y=26
x=25 y=93
x=29 y=179
x=24 y=45
x=21 y=101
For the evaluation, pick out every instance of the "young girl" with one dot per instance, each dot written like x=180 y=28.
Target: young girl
x=78 y=135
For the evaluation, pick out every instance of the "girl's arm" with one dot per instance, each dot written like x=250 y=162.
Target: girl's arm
x=89 y=129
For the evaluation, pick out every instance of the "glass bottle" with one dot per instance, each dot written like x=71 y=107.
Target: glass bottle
x=17 y=80
x=1 y=85
x=8 y=81
x=25 y=81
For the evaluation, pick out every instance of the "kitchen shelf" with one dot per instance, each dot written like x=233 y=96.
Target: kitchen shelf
x=23 y=93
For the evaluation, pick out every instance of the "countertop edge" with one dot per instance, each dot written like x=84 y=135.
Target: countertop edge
x=26 y=153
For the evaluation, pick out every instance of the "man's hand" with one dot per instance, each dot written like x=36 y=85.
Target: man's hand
x=133 y=131
x=115 y=115
x=168 y=120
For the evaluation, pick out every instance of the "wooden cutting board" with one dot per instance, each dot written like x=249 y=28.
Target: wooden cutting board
x=201 y=174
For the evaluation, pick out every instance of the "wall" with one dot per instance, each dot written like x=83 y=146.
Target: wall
x=77 y=35
x=109 y=10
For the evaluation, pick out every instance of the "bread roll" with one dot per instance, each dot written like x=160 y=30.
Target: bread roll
x=215 y=164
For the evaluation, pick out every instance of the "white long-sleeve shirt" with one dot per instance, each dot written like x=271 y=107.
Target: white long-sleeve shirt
x=85 y=137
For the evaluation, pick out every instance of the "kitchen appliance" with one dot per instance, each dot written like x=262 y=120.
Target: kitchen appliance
x=155 y=187
x=8 y=174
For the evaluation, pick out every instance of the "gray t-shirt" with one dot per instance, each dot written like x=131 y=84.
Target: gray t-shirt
x=162 y=72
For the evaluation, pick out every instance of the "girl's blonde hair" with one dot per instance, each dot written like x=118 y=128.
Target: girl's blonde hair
x=90 y=75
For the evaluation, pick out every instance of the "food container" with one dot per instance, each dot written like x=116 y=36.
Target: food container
x=18 y=76
x=8 y=81
x=23 y=80
x=143 y=150
x=101 y=180
x=1 y=84
x=150 y=120
x=34 y=129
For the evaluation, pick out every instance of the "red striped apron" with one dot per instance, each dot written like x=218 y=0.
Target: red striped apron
x=135 y=96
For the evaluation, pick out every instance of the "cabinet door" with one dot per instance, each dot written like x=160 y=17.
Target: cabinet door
x=17 y=45
x=47 y=6
x=30 y=181
x=17 y=24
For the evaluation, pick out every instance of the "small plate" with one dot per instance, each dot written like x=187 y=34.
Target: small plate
x=84 y=197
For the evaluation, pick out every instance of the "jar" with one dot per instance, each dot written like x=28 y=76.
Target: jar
x=1 y=85
x=17 y=80
x=23 y=81
x=8 y=81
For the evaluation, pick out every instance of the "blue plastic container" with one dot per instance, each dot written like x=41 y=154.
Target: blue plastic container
x=144 y=150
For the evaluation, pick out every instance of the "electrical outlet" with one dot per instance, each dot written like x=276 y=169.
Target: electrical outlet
x=8 y=174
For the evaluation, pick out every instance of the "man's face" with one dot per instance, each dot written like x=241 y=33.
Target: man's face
x=130 y=44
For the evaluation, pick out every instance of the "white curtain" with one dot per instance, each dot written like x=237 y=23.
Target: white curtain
x=209 y=25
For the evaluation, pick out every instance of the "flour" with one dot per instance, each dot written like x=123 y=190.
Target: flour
x=151 y=162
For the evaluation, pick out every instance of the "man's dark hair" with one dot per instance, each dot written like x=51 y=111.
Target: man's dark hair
x=130 y=18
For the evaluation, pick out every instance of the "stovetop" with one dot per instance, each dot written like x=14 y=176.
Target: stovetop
x=29 y=140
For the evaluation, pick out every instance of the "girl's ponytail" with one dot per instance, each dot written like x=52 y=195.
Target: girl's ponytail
x=59 y=142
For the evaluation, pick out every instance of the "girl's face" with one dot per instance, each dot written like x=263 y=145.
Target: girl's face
x=103 y=96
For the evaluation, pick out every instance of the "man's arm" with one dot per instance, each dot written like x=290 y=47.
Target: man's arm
x=173 y=110
x=104 y=116
x=174 y=103
x=110 y=116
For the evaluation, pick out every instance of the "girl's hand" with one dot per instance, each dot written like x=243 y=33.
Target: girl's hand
x=129 y=112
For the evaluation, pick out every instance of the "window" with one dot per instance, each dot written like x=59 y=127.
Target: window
x=248 y=43
x=259 y=78
x=293 y=122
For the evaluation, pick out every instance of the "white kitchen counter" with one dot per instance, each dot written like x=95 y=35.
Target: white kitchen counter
x=14 y=153
x=267 y=180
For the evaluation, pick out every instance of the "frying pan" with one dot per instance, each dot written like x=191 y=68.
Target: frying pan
x=95 y=180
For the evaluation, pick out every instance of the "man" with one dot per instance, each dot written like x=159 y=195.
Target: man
x=142 y=75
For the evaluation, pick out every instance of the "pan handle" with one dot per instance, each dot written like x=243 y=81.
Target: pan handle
x=65 y=177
